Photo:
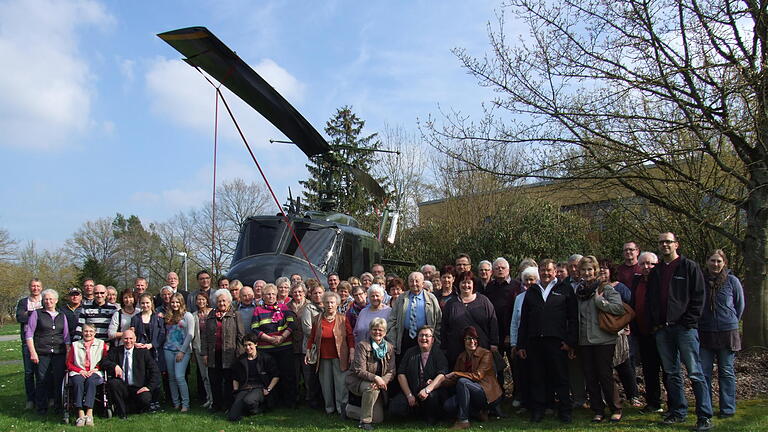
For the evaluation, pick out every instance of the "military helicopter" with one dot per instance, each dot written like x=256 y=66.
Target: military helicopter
x=313 y=243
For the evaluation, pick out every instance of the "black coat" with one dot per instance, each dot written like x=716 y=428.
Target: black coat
x=411 y=362
x=145 y=370
x=266 y=369
x=685 y=302
x=502 y=295
x=555 y=318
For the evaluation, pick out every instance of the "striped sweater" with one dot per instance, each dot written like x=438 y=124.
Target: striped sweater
x=98 y=316
x=273 y=320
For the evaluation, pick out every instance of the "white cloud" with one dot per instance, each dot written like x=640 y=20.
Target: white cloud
x=47 y=85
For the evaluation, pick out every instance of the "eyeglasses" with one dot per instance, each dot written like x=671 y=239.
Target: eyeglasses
x=666 y=242
x=630 y=249
x=425 y=336
x=99 y=293
x=74 y=294
x=470 y=338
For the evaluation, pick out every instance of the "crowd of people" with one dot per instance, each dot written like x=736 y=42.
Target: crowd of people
x=433 y=346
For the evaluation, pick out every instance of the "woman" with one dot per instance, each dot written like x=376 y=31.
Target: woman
x=596 y=345
x=273 y=324
x=359 y=302
x=470 y=309
x=166 y=293
x=719 y=328
x=255 y=376
x=150 y=334
x=376 y=309
x=395 y=287
x=283 y=290
x=335 y=346
x=179 y=331
x=112 y=296
x=47 y=337
x=83 y=368
x=222 y=345
x=121 y=320
x=447 y=277
x=344 y=289
x=366 y=280
x=475 y=380
x=354 y=281
x=313 y=308
x=298 y=303
x=203 y=383
x=372 y=370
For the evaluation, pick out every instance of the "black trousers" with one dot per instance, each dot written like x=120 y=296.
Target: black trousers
x=627 y=377
x=285 y=390
x=125 y=398
x=430 y=408
x=652 y=370
x=597 y=361
x=247 y=402
x=48 y=376
x=548 y=366
x=521 y=378
x=221 y=387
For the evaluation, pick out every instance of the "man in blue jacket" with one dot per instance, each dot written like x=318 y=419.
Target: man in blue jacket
x=675 y=301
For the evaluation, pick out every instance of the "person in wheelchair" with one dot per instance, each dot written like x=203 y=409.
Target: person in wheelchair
x=136 y=375
x=83 y=367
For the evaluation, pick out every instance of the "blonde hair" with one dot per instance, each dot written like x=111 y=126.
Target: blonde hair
x=172 y=316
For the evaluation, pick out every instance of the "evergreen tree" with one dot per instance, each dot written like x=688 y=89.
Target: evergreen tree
x=330 y=180
x=95 y=270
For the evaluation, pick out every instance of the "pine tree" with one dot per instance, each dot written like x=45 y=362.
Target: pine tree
x=329 y=179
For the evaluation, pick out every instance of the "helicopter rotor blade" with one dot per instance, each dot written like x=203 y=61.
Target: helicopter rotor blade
x=369 y=183
x=204 y=50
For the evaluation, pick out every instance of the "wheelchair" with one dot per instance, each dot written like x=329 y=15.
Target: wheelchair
x=102 y=405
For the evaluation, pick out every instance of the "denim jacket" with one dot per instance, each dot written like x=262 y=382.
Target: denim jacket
x=725 y=313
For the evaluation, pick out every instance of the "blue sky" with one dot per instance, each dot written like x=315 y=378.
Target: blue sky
x=98 y=115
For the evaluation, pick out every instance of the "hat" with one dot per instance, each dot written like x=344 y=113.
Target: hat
x=74 y=291
x=471 y=332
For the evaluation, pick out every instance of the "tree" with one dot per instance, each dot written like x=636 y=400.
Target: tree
x=93 y=269
x=95 y=239
x=329 y=178
x=666 y=99
x=7 y=245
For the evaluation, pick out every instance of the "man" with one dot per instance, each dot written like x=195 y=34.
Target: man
x=377 y=270
x=641 y=329
x=140 y=286
x=223 y=283
x=333 y=282
x=561 y=271
x=410 y=312
x=136 y=375
x=462 y=265
x=573 y=271
x=575 y=368
x=675 y=301
x=98 y=314
x=429 y=271
x=88 y=286
x=296 y=278
x=546 y=337
x=72 y=310
x=234 y=289
x=485 y=275
x=204 y=283
x=627 y=270
x=258 y=286
x=501 y=291
x=24 y=308
x=246 y=306
x=420 y=379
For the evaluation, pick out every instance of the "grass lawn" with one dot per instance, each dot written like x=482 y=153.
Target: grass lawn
x=752 y=417
x=10 y=350
x=9 y=329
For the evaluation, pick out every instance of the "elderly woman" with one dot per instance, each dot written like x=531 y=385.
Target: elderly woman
x=83 y=368
x=596 y=345
x=371 y=371
x=335 y=346
x=469 y=309
x=359 y=302
x=475 y=379
x=121 y=320
x=345 y=290
x=719 y=328
x=395 y=287
x=255 y=377
x=165 y=295
x=283 y=285
x=311 y=310
x=376 y=309
x=298 y=303
x=47 y=337
x=222 y=345
x=201 y=315
x=274 y=323
x=150 y=334
x=179 y=331
x=366 y=280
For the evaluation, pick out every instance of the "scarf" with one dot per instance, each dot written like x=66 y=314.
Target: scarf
x=379 y=350
x=586 y=290
x=715 y=282
x=277 y=312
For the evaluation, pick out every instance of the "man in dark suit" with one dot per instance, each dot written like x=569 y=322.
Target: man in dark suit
x=135 y=376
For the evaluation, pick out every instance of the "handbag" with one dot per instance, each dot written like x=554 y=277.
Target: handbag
x=312 y=355
x=614 y=323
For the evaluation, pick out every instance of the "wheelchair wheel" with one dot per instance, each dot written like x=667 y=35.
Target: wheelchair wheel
x=108 y=414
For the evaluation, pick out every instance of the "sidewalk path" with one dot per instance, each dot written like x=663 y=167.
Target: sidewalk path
x=6 y=338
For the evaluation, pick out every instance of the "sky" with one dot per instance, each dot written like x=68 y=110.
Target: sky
x=99 y=116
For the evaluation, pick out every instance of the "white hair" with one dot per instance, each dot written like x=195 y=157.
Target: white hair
x=484 y=262
x=575 y=258
x=500 y=260
x=648 y=254
x=222 y=292
x=51 y=292
x=427 y=266
x=376 y=287
x=529 y=271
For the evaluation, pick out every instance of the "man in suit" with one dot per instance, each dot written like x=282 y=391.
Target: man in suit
x=135 y=376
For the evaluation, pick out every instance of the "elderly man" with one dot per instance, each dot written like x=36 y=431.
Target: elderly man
x=377 y=270
x=429 y=271
x=501 y=291
x=136 y=375
x=485 y=275
x=260 y=284
x=88 y=286
x=72 y=309
x=172 y=280
x=246 y=306
x=410 y=312
x=641 y=329
x=675 y=302
x=420 y=375
x=575 y=369
x=627 y=270
x=98 y=314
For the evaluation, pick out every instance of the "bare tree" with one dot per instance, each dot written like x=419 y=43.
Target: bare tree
x=666 y=99
x=95 y=239
x=7 y=246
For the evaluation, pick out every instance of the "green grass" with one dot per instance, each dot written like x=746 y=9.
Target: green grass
x=752 y=417
x=10 y=350
x=9 y=329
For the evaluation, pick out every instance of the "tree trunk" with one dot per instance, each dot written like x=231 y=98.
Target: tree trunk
x=755 y=254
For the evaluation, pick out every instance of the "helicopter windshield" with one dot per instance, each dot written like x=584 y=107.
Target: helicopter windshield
x=266 y=236
x=316 y=241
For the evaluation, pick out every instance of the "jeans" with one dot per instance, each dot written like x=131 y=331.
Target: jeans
x=176 y=377
x=29 y=372
x=726 y=376
x=469 y=398
x=85 y=389
x=677 y=343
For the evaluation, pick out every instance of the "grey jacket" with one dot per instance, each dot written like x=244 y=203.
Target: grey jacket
x=397 y=317
x=307 y=317
x=590 y=332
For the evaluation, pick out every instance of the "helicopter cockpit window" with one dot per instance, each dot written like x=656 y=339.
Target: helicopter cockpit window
x=260 y=237
x=316 y=241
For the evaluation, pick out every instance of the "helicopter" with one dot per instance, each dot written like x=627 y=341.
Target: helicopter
x=312 y=243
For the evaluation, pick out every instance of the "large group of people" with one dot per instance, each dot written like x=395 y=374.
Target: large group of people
x=435 y=346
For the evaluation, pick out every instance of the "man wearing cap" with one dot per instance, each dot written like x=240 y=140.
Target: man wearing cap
x=72 y=309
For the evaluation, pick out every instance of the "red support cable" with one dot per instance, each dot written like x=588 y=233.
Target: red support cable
x=213 y=200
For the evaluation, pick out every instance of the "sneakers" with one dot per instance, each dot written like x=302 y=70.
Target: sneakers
x=672 y=419
x=516 y=403
x=80 y=422
x=648 y=409
x=365 y=426
x=88 y=420
x=703 y=424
